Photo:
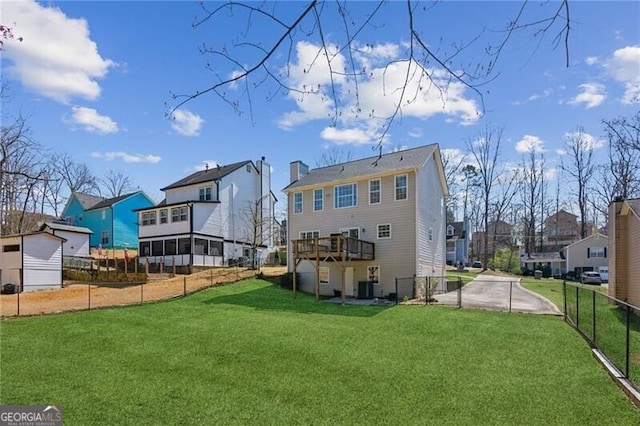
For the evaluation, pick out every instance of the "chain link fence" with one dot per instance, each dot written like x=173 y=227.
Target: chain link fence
x=422 y=290
x=75 y=296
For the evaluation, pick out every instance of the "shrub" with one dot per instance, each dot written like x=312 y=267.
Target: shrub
x=286 y=280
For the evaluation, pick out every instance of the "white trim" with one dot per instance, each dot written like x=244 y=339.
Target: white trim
x=321 y=199
x=301 y=203
x=395 y=187
x=379 y=180
x=378 y=231
x=355 y=195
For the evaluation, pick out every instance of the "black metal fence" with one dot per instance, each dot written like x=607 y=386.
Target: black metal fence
x=610 y=325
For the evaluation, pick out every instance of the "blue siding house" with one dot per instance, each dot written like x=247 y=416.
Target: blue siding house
x=114 y=221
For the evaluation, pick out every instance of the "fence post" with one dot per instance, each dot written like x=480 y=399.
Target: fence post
x=185 y=286
x=142 y=293
x=510 y=294
x=626 y=374
x=459 y=292
x=89 y=296
x=19 y=291
x=564 y=297
x=427 y=289
x=577 y=307
x=594 y=318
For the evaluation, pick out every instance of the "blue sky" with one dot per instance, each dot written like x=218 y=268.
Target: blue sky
x=95 y=80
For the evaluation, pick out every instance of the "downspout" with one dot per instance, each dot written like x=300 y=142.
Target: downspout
x=21 y=274
x=192 y=244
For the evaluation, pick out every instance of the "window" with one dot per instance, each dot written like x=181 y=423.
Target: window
x=307 y=235
x=596 y=252
x=401 y=187
x=215 y=248
x=345 y=196
x=145 y=248
x=200 y=246
x=323 y=271
x=179 y=214
x=148 y=218
x=170 y=247
x=373 y=274
x=184 y=245
x=104 y=214
x=11 y=247
x=297 y=202
x=164 y=217
x=104 y=237
x=374 y=191
x=318 y=200
x=205 y=194
x=157 y=248
x=384 y=230
x=450 y=231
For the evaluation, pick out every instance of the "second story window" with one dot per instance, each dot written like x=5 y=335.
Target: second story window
x=401 y=187
x=318 y=200
x=345 y=196
x=148 y=218
x=449 y=231
x=164 y=216
x=179 y=214
x=297 y=202
x=384 y=230
x=596 y=252
x=374 y=191
x=205 y=194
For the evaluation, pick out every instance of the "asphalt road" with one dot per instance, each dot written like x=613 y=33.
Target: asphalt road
x=498 y=293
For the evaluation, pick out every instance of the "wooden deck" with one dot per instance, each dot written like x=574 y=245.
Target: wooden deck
x=333 y=248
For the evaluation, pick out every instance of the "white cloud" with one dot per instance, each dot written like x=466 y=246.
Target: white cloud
x=127 y=158
x=586 y=140
x=202 y=166
x=92 y=121
x=57 y=57
x=592 y=95
x=186 y=123
x=416 y=132
x=351 y=136
x=530 y=143
x=624 y=67
x=591 y=60
x=550 y=173
x=427 y=93
x=561 y=151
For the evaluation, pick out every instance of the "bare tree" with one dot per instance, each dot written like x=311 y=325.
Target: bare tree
x=336 y=33
x=334 y=155
x=623 y=136
x=116 y=184
x=580 y=169
x=485 y=150
x=20 y=171
x=77 y=177
x=452 y=162
x=506 y=188
x=531 y=196
x=258 y=226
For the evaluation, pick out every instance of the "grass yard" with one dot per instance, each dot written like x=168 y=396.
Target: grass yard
x=249 y=353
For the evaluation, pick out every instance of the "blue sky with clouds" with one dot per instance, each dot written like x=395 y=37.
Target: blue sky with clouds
x=96 y=78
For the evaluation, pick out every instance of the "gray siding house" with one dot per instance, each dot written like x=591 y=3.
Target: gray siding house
x=371 y=220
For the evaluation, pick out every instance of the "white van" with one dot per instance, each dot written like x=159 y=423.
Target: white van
x=604 y=273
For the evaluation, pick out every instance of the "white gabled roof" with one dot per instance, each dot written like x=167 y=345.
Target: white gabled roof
x=593 y=236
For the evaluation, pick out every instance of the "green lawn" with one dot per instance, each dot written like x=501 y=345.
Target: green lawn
x=249 y=353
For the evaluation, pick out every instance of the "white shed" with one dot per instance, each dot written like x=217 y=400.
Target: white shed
x=77 y=244
x=33 y=261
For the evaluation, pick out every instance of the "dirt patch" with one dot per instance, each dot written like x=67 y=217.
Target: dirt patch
x=83 y=296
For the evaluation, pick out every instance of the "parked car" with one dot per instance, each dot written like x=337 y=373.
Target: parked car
x=591 y=277
x=477 y=264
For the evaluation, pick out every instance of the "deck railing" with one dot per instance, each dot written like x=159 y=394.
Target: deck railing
x=337 y=246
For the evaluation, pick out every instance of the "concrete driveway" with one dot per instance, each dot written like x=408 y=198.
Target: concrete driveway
x=492 y=292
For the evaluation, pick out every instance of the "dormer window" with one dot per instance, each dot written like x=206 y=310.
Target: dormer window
x=450 y=231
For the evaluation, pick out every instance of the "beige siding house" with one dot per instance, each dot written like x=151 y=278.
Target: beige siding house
x=588 y=254
x=370 y=220
x=624 y=246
